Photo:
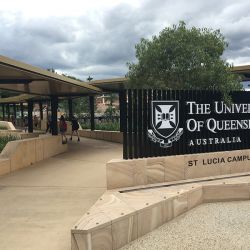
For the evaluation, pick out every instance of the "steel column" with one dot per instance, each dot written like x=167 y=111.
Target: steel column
x=92 y=112
x=54 y=108
x=3 y=110
x=21 y=108
x=41 y=109
x=30 y=117
x=14 y=111
x=8 y=112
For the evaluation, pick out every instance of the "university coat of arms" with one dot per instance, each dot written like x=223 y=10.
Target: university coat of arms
x=165 y=123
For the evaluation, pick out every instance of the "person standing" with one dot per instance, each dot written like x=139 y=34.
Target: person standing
x=35 y=121
x=49 y=125
x=25 y=122
x=75 y=127
x=63 y=128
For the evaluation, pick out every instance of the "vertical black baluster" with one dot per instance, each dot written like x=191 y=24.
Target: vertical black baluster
x=140 y=132
x=135 y=124
x=124 y=117
x=177 y=143
x=145 y=124
x=181 y=115
x=186 y=132
x=130 y=122
x=189 y=134
x=155 y=146
x=149 y=149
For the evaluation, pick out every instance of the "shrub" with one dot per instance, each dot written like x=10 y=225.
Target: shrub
x=107 y=126
x=5 y=139
x=3 y=127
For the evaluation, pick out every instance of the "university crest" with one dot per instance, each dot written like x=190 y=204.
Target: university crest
x=165 y=123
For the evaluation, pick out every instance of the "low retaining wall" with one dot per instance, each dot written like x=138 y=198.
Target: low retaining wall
x=8 y=125
x=128 y=173
x=23 y=153
x=113 y=136
x=119 y=217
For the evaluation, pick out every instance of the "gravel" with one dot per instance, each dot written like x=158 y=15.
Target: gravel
x=222 y=225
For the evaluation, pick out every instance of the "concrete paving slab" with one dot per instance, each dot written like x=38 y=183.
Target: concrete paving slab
x=40 y=204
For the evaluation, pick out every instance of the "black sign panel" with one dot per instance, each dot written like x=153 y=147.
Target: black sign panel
x=160 y=122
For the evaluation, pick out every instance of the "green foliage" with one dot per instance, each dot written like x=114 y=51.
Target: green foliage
x=2 y=127
x=112 y=97
x=5 y=139
x=183 y=58
x=72 y=77
x=85 y=125
x=81 y=105
x=111 y=111
x=107 y=125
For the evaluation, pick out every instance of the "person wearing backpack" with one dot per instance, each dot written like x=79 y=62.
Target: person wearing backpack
x=63 y=128
x=75 y=127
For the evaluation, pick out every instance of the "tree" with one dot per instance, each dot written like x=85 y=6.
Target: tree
x=72 y=77
x=111 y=110
x=81 y=105
x=183 y=58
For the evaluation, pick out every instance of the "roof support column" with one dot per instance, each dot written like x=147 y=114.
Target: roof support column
x=122 y=106
x=21 y=108
x=3 y=111
x=14 y=111
x=47 y=110
x=30 y=117
x=92 y=112
x=54 y=108
x=8 y=112
x=41 y=109
x=70 y=105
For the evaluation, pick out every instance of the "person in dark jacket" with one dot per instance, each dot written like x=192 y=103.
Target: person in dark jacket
x=63 y=128
x=49 y=125
x=75 y=127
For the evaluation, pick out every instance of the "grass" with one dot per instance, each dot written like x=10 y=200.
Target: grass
x=5 y=139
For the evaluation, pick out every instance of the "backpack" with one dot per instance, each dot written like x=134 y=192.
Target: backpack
x=75 y=124
x=63 y=125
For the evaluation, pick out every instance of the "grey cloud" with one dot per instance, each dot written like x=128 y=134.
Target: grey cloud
x=101 y=46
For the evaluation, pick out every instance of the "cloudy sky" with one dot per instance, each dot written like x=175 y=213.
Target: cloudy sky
x=97 y=37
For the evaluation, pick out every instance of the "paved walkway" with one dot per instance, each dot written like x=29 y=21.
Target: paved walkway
x=39 y=204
